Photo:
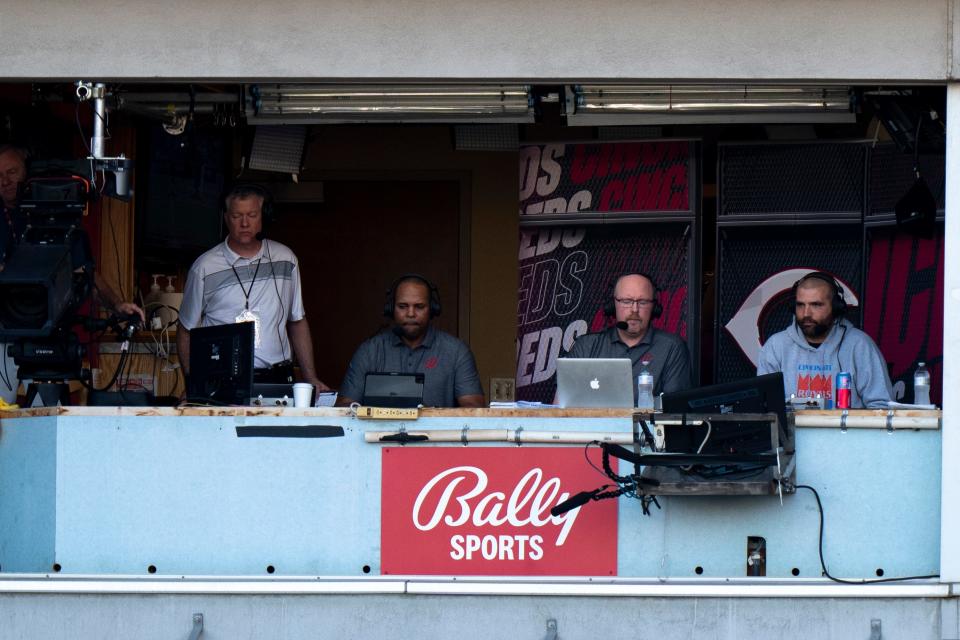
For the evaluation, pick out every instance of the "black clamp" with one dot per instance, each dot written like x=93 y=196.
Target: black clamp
x=463 y=435
x=843 y=420
x=516 y=436
x=890 y=421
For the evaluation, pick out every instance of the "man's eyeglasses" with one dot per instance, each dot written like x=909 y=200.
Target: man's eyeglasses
x=628 y=303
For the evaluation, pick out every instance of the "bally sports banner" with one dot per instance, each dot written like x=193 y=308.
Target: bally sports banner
x=486 y=511
x=567 y=178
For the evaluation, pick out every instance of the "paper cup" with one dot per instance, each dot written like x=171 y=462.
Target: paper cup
x=302 y=394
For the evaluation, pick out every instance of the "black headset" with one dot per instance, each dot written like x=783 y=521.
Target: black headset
x=838 y=306
x=391 y=294
x=245 y=190
x=609 y=305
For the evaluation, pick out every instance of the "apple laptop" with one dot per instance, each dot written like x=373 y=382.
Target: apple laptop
x=594 y=382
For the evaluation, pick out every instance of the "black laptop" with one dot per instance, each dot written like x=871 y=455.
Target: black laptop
x=397 y=390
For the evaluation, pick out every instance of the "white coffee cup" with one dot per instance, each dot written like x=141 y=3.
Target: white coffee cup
x=302 y=394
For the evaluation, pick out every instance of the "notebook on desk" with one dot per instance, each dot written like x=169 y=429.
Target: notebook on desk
x=594 y=382
x=396 y=390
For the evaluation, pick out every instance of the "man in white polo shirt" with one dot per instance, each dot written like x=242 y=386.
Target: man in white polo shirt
x=248 y=278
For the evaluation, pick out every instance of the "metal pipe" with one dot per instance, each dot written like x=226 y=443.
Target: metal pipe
x=98 y=142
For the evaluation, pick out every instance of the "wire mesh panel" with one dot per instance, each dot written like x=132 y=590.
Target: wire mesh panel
x=757 y=268
x=565 y=277
x=774 y=181
x=892 y=175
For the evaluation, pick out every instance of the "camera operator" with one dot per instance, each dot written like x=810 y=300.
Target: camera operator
x=13 y=172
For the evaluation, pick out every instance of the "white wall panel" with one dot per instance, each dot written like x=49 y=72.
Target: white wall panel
x=565 y=39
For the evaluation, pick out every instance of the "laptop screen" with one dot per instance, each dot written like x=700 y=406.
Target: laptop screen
x=594 y=382
x=399 y=390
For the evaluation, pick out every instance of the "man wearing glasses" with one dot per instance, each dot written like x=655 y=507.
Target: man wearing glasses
x=632 y=301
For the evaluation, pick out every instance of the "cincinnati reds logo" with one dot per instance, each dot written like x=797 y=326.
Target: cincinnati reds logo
x=431 y=362
x=744 y=326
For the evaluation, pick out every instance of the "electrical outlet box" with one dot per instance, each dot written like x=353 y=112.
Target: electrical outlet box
x=503 y=390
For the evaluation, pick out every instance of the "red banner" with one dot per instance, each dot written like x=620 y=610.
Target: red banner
x=486 y=511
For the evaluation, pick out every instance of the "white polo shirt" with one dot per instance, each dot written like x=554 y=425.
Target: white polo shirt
x=214 y=294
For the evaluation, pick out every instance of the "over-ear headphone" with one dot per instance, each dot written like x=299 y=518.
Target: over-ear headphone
x=838 y=306
x=391 y=293
x=245 y=190
x=609 y=306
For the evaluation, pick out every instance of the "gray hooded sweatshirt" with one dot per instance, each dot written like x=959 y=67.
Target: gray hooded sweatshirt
x=808 y=370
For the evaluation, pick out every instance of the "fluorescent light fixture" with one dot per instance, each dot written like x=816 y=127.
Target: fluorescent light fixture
x=317 y=103
x=675 y=104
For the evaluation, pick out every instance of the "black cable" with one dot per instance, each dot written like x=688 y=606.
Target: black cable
x=80 y=129
x=823 y=565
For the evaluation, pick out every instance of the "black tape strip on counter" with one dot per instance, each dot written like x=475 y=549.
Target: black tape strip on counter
x=297 y=431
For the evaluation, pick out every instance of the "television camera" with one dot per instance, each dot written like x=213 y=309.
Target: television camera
x=48 y=274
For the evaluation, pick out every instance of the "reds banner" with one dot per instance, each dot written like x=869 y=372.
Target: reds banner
x=904 y=306
x=486 y=511
x=565 y=277
x=564 y=178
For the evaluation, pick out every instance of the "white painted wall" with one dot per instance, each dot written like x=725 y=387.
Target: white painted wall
x=562 y=39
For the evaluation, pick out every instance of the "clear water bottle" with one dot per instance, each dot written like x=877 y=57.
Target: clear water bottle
x=645 y=390
x=921 y=385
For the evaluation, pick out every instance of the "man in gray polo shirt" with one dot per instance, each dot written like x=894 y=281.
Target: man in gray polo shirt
x=248 y=278
x=634 y=304
x=414 y=345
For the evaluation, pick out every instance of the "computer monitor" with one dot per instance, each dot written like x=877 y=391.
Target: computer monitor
x=760 y=394
x=221 y=364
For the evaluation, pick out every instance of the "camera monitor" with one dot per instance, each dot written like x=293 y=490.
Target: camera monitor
x=221 y=363
x=760 y=394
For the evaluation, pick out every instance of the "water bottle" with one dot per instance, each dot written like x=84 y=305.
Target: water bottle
x=921 y=385
x=645 y=390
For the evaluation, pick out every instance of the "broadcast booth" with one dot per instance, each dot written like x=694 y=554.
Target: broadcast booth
x=211 y=499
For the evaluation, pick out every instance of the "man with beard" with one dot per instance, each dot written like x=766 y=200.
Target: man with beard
x=632 y=302
x=820 y=343
x=414 y=345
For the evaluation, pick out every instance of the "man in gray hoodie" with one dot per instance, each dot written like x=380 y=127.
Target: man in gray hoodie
x=820 y=343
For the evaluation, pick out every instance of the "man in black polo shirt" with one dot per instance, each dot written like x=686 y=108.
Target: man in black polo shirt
x=414 y=345
x=634 y=304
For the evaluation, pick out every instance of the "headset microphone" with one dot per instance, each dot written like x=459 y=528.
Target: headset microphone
x=623 y=326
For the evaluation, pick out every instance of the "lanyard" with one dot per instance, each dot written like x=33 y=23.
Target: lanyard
x=247 y=292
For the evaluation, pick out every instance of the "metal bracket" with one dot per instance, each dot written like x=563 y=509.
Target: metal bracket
x=843 y=420
x=463 y=435
x=890 y=421
x=875 y=631
x=197 y=627
x=516 y=435
x=551 y=630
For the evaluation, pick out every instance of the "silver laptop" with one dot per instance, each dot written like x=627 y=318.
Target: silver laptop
x=594 y=382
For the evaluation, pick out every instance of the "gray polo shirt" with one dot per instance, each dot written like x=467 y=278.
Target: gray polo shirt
x=447 y=365
x=665 y=355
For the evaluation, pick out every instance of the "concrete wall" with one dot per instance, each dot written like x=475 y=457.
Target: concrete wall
x=565 y=39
